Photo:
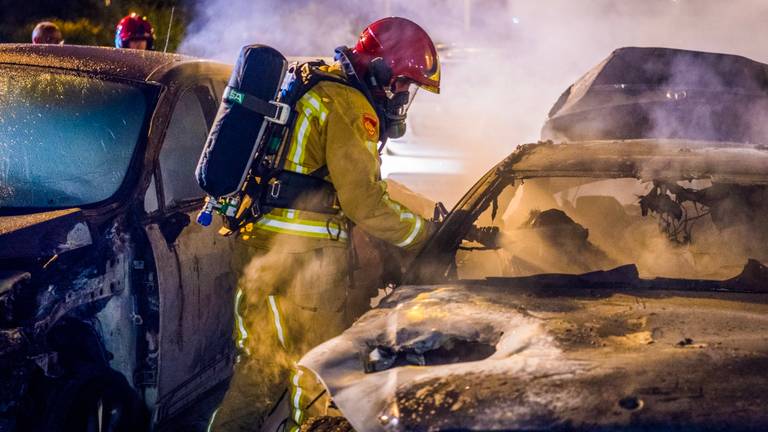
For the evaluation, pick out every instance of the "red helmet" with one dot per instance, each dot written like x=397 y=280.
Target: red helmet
x=406 y=49
x=134 y=27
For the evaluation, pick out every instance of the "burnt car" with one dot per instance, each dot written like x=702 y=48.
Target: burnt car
x=593 y=284
x=116 y=312
x=664 y=93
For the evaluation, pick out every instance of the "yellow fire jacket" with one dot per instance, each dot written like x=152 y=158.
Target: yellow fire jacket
x=338 y=127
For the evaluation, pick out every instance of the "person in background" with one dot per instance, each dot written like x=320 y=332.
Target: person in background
x=134 y=32
x=47 y=33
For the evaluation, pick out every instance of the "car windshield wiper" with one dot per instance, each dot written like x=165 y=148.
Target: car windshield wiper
x=753 y=278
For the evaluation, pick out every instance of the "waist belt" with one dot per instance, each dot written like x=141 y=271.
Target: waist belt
x=291 y=190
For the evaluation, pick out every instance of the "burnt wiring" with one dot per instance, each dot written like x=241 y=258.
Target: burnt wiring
x=477 y=248
x=676 y=218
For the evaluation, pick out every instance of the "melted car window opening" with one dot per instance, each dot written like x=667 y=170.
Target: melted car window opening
x=65 y=140
x=441 y=351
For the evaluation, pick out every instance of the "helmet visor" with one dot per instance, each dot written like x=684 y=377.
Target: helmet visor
x=428 y=79
x=432 y=74
x=399 y=89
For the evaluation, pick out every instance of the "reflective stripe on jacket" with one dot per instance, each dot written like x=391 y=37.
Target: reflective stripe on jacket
x=336 y=126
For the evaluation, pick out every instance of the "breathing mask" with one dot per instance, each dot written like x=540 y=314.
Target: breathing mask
x=396 y=110
x=394 y=97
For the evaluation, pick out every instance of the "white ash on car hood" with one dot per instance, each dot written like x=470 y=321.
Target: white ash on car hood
x=421 y=335
x=533 y=355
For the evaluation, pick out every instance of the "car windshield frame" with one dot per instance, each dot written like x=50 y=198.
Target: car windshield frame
x=641 y=159
x=150 y=91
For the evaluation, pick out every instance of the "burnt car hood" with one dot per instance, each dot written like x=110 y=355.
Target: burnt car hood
x=43 y=234
x=486 y=357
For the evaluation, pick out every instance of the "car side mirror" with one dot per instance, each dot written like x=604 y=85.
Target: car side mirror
x=172 y=225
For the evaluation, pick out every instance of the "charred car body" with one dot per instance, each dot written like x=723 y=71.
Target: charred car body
x=597 y=284
x=115 y=311
x=667 y=94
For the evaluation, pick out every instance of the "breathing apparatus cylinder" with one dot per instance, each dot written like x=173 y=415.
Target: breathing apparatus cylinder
x=249 y=111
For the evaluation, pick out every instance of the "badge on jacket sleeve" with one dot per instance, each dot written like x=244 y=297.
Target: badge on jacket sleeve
x=371 y=125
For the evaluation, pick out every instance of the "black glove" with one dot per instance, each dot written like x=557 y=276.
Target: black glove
x=486 y=236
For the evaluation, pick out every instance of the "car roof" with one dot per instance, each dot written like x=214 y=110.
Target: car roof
x=646 y=159
x=126 y=64
x=649 y=92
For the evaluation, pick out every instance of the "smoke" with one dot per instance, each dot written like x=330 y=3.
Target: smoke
x=505 y=63
x=293 y=295
x=508 y=60
x=581 y=225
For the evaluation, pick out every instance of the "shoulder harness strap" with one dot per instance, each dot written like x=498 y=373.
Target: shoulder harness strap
x=306 y=76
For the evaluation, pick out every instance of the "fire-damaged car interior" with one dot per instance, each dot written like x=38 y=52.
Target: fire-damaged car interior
x=677 y=222
x=116 y=313
x=612 y=280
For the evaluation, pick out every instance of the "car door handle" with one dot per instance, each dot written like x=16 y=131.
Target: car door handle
x=172 y=225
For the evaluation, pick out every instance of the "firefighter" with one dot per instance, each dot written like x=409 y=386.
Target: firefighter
x=47 y=33
x=302 y=269
x=134 y=32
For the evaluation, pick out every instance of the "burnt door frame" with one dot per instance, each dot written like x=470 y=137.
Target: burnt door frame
x=195 y=285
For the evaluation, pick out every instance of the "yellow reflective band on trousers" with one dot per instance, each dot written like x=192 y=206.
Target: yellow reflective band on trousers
x=297 y=414
x=277 y=319
x=242 y=332
x=297 y=392
x=302 y=227
x=310 y=107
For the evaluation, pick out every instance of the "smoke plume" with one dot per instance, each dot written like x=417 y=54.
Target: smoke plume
x=505 y=63
x=507 y=60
